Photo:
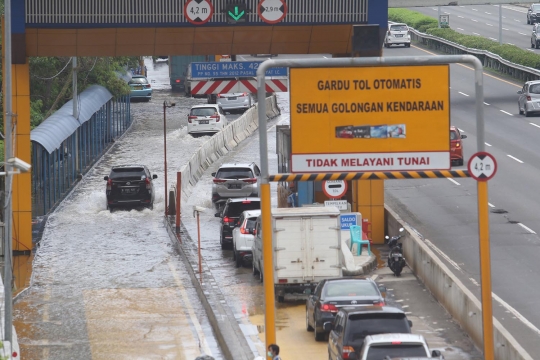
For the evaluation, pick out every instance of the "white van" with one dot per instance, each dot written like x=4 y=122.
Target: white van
x=306 y=248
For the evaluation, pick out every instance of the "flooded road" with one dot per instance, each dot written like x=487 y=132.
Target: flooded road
x=109 y=285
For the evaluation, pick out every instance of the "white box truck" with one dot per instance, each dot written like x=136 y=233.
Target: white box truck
x=306 y=244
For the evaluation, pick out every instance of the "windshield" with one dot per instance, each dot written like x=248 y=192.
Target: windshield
x=398 y=28
x=362 y=325
x=250 y=223
x=234 y=173
x=382 y=351
x=138 y=80
x=453 y=135
x=534 y=89
x=206 y=111
x=350 y=288
x=131 y=172
x=536 y=7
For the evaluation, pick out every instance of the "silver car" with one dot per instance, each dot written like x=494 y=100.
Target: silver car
x=235 y=180
x=397 y=34
x=243 y=236
x=529 y=98
x=234 y=101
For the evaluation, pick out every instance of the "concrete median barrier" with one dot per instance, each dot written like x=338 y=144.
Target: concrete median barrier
x=459 y=301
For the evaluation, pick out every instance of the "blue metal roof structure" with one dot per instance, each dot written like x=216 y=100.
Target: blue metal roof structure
x=52 y=132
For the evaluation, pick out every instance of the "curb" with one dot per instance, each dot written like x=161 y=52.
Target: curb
x=228 y=334
x=367 y=267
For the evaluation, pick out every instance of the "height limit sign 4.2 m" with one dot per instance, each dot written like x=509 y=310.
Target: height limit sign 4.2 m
x=198 y=12
x=482 y=166
x=272 y=11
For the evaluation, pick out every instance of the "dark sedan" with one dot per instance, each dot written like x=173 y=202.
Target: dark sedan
x=130 y=186
x=332 y=294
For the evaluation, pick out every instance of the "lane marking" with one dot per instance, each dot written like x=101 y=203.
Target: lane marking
x=374 y=277
x=505 y=29
x=493 y=39
x=526 y=228
x=463 y=94
x=405 y=306
x=474 y=20
x=459 y=16
x=485 y=103
x=477 y=34
x=399 y=300
x=507 y=113
x=522 y=33
x=533 y=124
x=470 y=68
x=190 y=311
x=491 y=205
x=454 y=181
x=447 y=13
x=460 y=29
x=515 y=158
x=487 y=144
x=474 y=10
x=461 y=130
x=488 y=24
x=474 y=281
x=487 y=13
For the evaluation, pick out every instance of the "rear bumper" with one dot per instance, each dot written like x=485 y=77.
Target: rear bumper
x=210 y=128
x=397 y=41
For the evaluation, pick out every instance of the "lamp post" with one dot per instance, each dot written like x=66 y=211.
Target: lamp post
x=166 y=104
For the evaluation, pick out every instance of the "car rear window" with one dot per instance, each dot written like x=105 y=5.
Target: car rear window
x=138 y=80
x=379 y=352
x=131 y=172
x=453 y=135
x=250 y=223
x=234 y=173
x=236 y=208
x=350 y=288
x=534 y=89
x=205 y=111
x=398 y=28
x=362 y=325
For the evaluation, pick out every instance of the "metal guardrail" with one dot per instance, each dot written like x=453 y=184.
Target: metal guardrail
x=488 y=59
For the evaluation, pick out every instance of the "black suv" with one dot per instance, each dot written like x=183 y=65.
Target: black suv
x=533 y=14
x=231 y=214
x=130 y=186
x=332 y=294
x=353 y=324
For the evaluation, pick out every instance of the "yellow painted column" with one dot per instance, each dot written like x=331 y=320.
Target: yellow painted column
x=368 y=199
x=22 y=183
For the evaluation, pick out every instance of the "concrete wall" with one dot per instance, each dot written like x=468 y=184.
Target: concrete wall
x=462 y=305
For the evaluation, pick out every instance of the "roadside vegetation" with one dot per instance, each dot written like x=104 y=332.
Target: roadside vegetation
x=429 y=25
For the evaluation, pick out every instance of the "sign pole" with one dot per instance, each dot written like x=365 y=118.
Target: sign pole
x=485 y=268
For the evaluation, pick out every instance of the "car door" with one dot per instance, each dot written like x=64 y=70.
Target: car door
x=522 y=96
x=334 y=347
x=313 y=300
x=225 y=119
x=236 y=230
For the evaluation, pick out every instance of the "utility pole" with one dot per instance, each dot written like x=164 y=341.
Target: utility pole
x=500 y=24
x=439 y=16
x=8 y=238
x=75 y=111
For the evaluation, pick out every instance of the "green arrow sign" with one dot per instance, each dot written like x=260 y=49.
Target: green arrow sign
x=237 y=14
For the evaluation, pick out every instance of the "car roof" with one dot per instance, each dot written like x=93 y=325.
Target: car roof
x=453 y=128
x=240 y=199
x=232 y=165
x=398 y=24
x=389 y=337
x=350 y=310
x=127 y=166
x=251 y=213
x=138 y=76
x=348 y=279
x=533 y=82
x=205 y=106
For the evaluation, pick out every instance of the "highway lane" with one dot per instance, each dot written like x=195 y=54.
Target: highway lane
x=484 y=21
x=444 y=211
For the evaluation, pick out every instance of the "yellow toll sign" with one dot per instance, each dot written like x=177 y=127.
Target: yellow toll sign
x=387 y=118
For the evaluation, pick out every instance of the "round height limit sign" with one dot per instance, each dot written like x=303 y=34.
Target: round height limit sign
x=272 y=11
x=334 y=189
x=198 y=12
x=482 y=166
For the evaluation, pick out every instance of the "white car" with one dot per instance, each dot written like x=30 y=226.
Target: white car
x=209 y=118
x=391 y=345
x=397 y=34
x=243 y=235
x=234 y=101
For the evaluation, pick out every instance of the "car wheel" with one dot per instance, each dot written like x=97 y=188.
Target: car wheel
x=520 y=111
x=407 y=45
x=527 y=114
x=536 y=45
x=261 y=278
x=528 y=21
x=532 y=45
x=110 y=208
x=319 y=336
x=254 y=269
x=221 y=242
x=308 y=327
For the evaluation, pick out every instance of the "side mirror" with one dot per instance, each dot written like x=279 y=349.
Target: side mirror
x=328 y=326
x=213 y=174
x=463 y=136
x=217 y=215
x=410 y=323
x=154 y=176
x=520 y=92
x=434 y=353
x=106 y=178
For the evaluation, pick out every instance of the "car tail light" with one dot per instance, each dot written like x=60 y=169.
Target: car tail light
x=250 y=181
x=329 y=308
x=217 y=117
x=347 y=350
x=228 y=220
x=219 y=181
x=378 y=303
x=243 y=230
x=109 y=184
x=457 y=144
x=148 y=184
x=244 y=94
x=220 y=96
x=246 y=202
x=282 y=281
x=178 y=81
x=148 y=86
x=191 y=118
x=528 y=98
x=396 y=342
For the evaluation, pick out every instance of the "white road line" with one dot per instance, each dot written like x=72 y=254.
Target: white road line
x=325 y=57
x=485 y=103
x=454 y=181
x=463 y=93
x=447 y=13
x=474 y=281
x=529 y=49
x=533 y=124
x=443 y=255
x=511 y=44
x=459 y=16
x=520 y=33
x=488 y=24
x=474 y=20
x=517 y=20
x=487 y=13
x=515 y=158
x=374 y=277
x=493 y=39
x=507 y=113
x=401 y=300
x=474 y=10
x=434 y=9
x=526 y=228
x=487 y=144
x=505 y=29
x=407 y=313
x=460 y=29
x=461 y=130
x=491 y=205
x=405 y=306
x=477 y=34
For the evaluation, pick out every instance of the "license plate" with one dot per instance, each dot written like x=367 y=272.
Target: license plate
x=232 y=98
x=235 y=186
x=399 y=35
x=203 y=122
x=137 y=87
x=129 y=191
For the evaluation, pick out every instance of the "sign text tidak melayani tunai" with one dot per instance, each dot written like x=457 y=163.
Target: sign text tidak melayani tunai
x=373 y=106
